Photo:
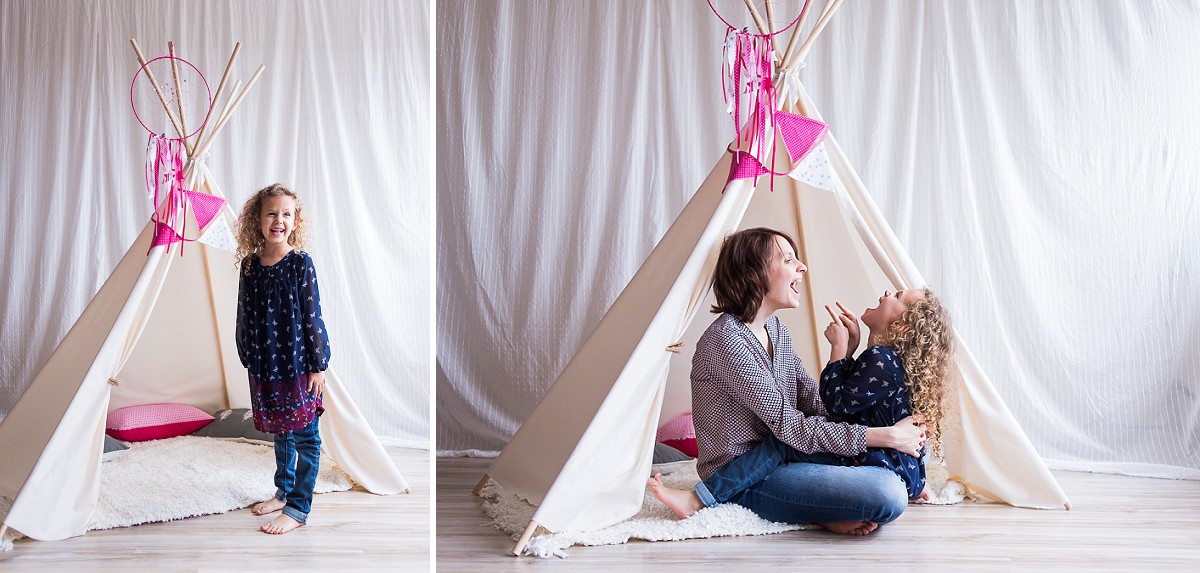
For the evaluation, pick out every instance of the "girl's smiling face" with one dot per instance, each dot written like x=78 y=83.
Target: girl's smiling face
x=891 y=306
x=277 y=217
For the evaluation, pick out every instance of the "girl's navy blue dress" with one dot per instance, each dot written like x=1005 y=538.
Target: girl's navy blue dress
x=280 y=339
x=872 y=390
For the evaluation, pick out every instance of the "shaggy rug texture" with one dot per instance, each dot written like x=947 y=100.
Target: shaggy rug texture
x=165 y=480
x=656 y=522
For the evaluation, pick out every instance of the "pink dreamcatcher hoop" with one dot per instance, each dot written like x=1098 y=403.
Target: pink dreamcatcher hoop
x=181 y=107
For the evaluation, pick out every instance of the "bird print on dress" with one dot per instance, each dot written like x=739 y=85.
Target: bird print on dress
x=857 y=391
x=281 y=338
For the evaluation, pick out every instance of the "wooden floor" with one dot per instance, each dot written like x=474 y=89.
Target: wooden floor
x=1117 y=523
x=346 y=531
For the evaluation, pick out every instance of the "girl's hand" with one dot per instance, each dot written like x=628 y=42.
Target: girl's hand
x=837 y=335
x=316 y=383
x=850 y=321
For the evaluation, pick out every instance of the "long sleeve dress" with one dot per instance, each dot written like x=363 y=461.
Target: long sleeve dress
x=281 y=338
x=873 y=390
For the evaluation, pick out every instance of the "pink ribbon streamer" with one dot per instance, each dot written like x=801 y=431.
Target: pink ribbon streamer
x=164 y=177
x=748 y=70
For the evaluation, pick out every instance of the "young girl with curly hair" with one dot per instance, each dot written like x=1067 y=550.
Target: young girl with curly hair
x=282 y=342
x=901 y=373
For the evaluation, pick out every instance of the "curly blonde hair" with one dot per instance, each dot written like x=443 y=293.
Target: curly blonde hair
x=924 y=341
x=250 y=240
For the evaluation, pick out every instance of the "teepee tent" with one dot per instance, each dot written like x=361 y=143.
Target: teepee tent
x=583 y=456
x=160 y=330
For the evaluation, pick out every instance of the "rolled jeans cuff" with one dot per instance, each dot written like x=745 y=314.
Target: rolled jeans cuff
x=296 y=514
x=706 y=497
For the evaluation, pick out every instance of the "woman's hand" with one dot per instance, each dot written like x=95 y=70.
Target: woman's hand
x=316 y=383
x=850 y=321
x=907 y=436
x=838 y=336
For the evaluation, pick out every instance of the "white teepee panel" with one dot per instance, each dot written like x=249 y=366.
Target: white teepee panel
x=54 y=435
x=590 y=441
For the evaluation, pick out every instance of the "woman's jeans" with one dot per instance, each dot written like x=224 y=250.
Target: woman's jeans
x=779 y=483
x=297 y=459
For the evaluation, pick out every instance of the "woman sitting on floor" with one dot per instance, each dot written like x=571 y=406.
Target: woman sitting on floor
x=748 y=385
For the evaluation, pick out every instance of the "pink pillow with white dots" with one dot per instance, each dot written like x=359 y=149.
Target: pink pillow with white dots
x=155 y=422
x=679 y=433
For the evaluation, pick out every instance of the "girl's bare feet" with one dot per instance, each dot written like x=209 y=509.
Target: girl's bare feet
x=850 y=527
x=683 y=502
x=280 y=525
x=270 y=506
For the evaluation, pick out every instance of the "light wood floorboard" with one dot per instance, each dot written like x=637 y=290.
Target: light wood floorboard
x=1117 y=523
x=347 y=531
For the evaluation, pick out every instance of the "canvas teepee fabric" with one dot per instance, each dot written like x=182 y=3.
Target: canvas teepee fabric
x=159 y=330
x=583 y=455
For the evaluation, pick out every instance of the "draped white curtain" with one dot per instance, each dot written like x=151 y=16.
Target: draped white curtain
x=1038 y=160
x=341 y=114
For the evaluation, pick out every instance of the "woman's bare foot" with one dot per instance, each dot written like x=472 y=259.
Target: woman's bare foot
x=280 y=525
x=270 y=506
x=850 y=527
x=683 y=502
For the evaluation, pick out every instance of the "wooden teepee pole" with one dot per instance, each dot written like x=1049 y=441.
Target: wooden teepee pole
x=190 y=168
x=795 y=34
x=771 y=29
x=208 y=143
x=479 y=486
x=178 y=95
x=827 y=15
x=163 y=100
x=237 y=47
x=524 y=540
x=758 y=21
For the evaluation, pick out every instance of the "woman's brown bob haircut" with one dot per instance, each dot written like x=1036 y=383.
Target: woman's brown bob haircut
x=740 y=279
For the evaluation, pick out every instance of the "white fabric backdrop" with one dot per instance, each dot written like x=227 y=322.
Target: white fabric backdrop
x=1037 y=159
x=341 y=114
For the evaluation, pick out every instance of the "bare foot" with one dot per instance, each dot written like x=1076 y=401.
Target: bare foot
x=270 y=506
x=683 y=502
x=850 y=527
x=280 y=525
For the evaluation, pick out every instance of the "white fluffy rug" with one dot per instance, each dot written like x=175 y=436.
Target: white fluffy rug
x=656 y=522
x=165 y=480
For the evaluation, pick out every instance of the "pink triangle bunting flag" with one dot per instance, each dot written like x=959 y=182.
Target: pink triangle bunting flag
x=800 y=134
x=744 y=166
x=204 y=206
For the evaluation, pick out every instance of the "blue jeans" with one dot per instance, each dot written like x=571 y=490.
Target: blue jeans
x=297 y=459
x=754 y=466
x=779 y=483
